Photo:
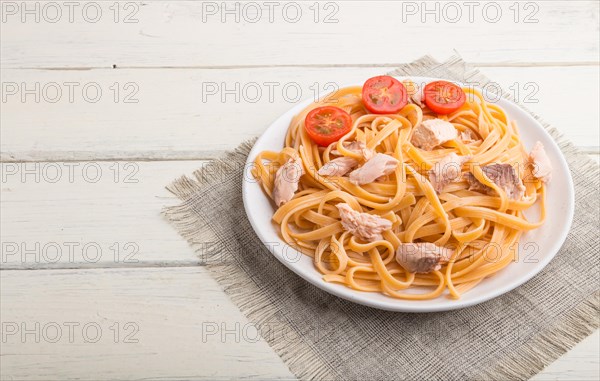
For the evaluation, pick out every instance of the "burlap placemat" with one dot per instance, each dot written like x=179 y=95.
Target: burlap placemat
x=320 y=336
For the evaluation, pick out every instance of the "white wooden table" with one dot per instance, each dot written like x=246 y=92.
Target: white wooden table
x=104 y=103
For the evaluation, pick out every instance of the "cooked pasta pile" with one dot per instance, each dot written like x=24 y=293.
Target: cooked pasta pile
x=479 y=229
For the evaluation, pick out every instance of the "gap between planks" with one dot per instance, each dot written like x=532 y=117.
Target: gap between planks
x=107 y=156
x=104 y=265
x=308 y=66
x=149 y=156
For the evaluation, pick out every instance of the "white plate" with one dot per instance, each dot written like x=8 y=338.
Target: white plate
x=536 y=247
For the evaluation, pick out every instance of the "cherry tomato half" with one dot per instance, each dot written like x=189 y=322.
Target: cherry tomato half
x=443 y=97
x=327 y=124
x=384 y=95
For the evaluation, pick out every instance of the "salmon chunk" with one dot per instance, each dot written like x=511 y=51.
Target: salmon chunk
x=286 y=180
x=542 y=168
x=379 y=165
x=433 y=132
x=467 y=136
x=503 y=175
x=338 y=167
x=447 y=170
x=357 y=147
x=422 y=257
x=367 y=227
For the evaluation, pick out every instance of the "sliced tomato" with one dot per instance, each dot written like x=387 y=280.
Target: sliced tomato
x=444 y=97
x=384 y=95
x=327 y=124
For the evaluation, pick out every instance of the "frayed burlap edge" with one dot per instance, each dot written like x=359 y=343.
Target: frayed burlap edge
x=256 y=306
x=544 y=348
x=548 y=345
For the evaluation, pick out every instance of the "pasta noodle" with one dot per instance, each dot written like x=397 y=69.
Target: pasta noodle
x=482 y=229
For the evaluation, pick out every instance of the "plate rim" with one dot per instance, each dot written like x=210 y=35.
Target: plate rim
x=399 y=305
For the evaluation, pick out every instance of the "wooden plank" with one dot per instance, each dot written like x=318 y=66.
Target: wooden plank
x=92 y=214
x=170 y=323
x=205 y=34
x=53 y=222
x=178 y=110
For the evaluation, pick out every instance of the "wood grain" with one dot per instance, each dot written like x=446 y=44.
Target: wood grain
x=170 y=323
x=90 y=214
x=192 y=34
